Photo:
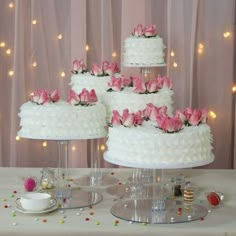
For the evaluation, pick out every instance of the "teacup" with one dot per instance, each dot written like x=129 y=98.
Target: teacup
x=34 y=201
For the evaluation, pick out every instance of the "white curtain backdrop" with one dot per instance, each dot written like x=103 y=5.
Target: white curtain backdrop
x=194 y=30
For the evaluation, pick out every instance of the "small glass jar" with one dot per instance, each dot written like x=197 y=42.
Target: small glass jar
x=48 y=178
x=178 y=188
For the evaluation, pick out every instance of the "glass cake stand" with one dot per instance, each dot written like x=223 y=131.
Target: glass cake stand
x=97 y=177
x=158 y=209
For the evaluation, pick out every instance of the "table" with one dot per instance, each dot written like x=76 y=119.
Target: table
x=99 y=221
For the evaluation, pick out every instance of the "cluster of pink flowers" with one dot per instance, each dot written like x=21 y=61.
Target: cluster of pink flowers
x=159 y=115
x=151 y=86
x=127 y=118
x=42 y=96
x=192 y=116
x=79 y=67
x=139 y=86
x=85 y=98
x=147 y=32
x=104 y=69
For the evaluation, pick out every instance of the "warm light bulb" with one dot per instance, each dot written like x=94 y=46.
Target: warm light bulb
x=8 y=51
x=234 y=89
x=212 y=114
x=200 y=45
x=63 y=74
x=102 y=148
x=34 y=64
x=227 y=34
x=17 y=138
x=59 y=36
x=200 y=50
x=34 y=22
x=87 y=48
x=73 y=148
x=11 y=5
x=175 y=64
x=2 y=44
x=114 y=54
x=172 y=53
x=10 y=72
x=44 y=144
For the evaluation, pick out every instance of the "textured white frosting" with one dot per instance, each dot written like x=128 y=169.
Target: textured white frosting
x=139 y=51
x=62 y=121
x=134 y=101
x=147 y=146
x=98 y=83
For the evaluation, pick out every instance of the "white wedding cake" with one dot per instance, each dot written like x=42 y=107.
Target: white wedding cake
x=48 y=117
x=144 y=48
x=156 y=140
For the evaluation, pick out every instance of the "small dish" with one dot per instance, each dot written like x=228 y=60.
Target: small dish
x=53 y=206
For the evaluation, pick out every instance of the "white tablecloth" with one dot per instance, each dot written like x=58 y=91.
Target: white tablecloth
x=221 y=221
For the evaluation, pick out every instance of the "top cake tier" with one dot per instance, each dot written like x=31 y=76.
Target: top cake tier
x=144 y=48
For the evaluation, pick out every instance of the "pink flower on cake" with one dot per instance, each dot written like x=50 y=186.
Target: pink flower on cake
x=54 y=96
x=204 y=115
x=73 y=98
x=126 y=81
x=116 y=118
x=115 y=84
x=138 y=85
x=41 y=97
x=151 y=112
x=138 y=30
x=84 y=97
x=150 y=31
x=169 y=124
x=164 y=82
x=111 y=69
x=138 y=117
x=78 y=67
x=152 y=86
x=93 y=96
x=128 y=119
x=96 y=70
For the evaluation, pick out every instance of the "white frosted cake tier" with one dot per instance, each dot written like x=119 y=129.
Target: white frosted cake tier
x=62 y=121
x=143 y=52
x=88 y=81
x=127 y=99
x=148 y=147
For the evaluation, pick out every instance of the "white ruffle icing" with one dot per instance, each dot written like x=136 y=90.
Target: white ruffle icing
x=143 y=51
x=62 y=121
x=148 y=146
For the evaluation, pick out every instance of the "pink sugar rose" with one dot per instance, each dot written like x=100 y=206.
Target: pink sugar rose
x=170 y=124
x=138 y=85
x=138 y=30
x=43 y=97
x=188 y=112
x=180 y=115
x=152 y=86
x=96 y=70
x=78 y=66
x=115 y=84
x=150 y=31
x=92 y=96
x=166 y=83
x=84 y=97
x=116 y=118
x=128 y=119
x=147 y=111
x=126 y=81
x=54 y=96
x=111 y=69
x=138 y=117
x=195 y=117
x=105 y=64
x=73 y=98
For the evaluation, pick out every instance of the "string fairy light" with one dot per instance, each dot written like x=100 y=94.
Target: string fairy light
x=200 y=48
x=87 y=48
x=34 y=64
x=34 y=22
x=63 y=74
x=175 y=64
x=17 y=138
x=227 y=34
x=10 y=72
x=8 y=51
x=11 y=5
x=44 y=144
x=212 y=114
x=73 y=148
x=102 y=147
x=114 y=54
x=172 y=53
x=2 y=44
x=60 y=36
x=234 y=89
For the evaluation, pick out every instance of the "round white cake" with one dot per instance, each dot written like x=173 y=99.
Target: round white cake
x=143 y=52
x=62 y=120
x=148 y=147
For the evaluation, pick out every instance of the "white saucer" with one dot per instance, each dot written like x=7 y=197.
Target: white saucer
x=51 y=208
